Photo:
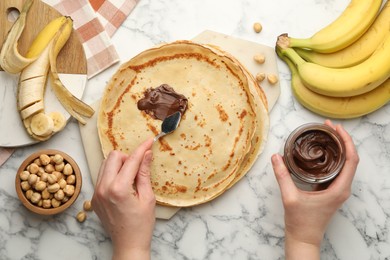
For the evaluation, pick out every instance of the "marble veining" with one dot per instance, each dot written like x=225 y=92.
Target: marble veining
x=246 y=222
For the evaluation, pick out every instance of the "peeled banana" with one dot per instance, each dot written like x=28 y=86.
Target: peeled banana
x=347 y=28
x=358 y=51
x=342 y=82
x=337 y=107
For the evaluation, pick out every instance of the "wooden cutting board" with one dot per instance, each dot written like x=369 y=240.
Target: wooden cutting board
x=243 y=50
x=71 y=64
x=71 y=60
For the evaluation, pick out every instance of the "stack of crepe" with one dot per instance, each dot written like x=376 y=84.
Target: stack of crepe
x=220 y=135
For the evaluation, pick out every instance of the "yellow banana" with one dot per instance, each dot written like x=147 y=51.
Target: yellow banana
x=72 y=104
x=358 y=51
x=32 y=80
x=337 y=107
x=347 y=28
x=342 y=82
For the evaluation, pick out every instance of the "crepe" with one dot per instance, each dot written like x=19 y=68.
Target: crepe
x=218 y=138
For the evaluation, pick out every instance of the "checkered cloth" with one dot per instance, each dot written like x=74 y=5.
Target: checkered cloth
x=96 y=21
x=112 y=13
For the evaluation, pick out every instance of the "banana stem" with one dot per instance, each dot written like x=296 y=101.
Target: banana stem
x=300 y=43
x=292 y=55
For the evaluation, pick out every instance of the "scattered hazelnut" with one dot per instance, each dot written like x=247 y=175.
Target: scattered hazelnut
x=272 y=79
x=260 y=77
x=81 y=216
x=87 y=205
x=259 y=58
x=257 y=27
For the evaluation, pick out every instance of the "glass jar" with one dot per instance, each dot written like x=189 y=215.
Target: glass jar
x=314 y=153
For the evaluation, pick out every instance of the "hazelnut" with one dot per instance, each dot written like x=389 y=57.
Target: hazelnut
x=71 y=179
x=69 y=190
x=272 y=79
x=259 y=58
x=45 y=159
x=68 y=170
x=57 y=159
x=24 y=175
x=49 y=168
x=53 y=188
x=35 y=197
x=32 y=179
x=25 y=186
x=46 y=203
x=29 y=194
x=87 y=205
x=81 y=216
x=33 y=168
x=59 y=195
x=40 y=186
x=55 y=203
x=45 y=194
x=260 y=77
x=59 y=167
x=62 y=183
x=257 y=27
x=51 y=178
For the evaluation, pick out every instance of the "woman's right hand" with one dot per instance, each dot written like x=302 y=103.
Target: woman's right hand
x=307 y=213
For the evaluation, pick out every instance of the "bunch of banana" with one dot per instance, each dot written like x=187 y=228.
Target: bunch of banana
x=351 y=77
x=34 y=70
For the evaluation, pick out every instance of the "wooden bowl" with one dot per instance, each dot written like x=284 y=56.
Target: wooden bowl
x=52 y=210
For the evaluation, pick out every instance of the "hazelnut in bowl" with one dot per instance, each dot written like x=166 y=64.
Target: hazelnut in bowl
x=48 y=182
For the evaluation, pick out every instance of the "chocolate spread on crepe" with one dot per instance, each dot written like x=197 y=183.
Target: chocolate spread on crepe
x=162 y=101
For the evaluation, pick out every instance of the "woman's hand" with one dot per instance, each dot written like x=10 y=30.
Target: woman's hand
x=124 y=201
x=307 y=213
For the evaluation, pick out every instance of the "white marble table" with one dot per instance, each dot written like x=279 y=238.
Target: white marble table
x=247 y=221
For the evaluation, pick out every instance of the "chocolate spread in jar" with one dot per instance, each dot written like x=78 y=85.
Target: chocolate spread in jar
x=314 y=153
x=162 y=101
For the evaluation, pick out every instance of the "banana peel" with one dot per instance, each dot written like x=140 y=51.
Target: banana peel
x=75 y=107
x=11 y=60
